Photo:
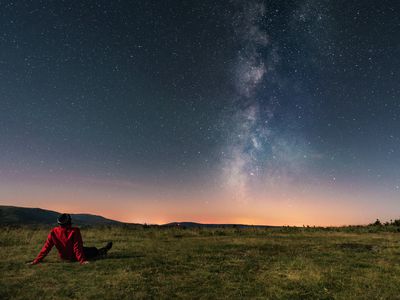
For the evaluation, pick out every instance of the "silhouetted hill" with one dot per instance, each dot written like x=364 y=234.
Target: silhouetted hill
x=198 y=225
x=12 y=215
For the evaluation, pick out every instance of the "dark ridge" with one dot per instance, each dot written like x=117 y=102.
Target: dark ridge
x=200 y=225
x=12 y=215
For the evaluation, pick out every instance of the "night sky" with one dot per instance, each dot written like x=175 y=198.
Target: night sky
x=257 y=112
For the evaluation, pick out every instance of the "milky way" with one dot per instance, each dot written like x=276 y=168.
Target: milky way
x=257 y=152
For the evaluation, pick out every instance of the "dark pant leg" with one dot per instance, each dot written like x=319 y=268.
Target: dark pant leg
x=90 y=252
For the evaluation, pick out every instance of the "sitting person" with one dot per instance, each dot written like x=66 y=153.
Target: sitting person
x=68 y=241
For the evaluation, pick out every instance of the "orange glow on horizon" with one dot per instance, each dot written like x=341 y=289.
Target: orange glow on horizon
x=274 y=212
x=286 y=205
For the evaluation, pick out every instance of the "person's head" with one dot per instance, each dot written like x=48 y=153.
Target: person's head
x=64 y=220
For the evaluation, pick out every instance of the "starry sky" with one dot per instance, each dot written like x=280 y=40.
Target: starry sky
x=257 y=112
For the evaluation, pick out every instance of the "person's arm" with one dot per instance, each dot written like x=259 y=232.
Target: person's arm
x=45 y=250
x=78 y=248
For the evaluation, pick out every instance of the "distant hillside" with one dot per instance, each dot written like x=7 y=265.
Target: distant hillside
x=197 y=225
x=12 y=215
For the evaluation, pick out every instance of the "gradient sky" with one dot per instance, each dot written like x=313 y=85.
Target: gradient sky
x=257 y=112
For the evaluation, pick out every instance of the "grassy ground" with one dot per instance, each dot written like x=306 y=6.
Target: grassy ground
x=207 y=264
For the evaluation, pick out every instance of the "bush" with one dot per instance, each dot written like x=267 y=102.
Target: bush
x=377 y=223
x=396 y=223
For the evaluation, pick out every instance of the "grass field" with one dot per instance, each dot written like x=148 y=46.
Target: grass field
x=170 y=263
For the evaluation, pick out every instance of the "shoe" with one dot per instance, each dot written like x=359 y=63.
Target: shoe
x=108 y=246
x=103 y=251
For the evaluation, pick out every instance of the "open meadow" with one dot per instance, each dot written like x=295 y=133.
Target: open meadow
x=208 y=263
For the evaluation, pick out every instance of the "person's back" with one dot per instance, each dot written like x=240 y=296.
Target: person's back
x=64 y=239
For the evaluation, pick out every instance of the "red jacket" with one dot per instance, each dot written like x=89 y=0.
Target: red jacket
x=68 y=241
